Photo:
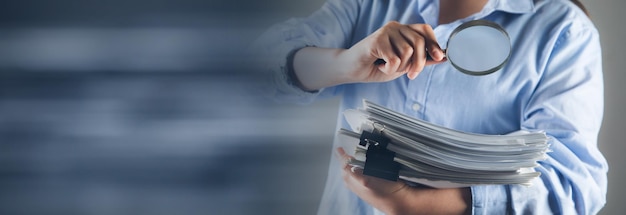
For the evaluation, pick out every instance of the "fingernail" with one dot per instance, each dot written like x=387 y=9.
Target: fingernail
x=439 y=54
x=341 y=151
x=411 y=75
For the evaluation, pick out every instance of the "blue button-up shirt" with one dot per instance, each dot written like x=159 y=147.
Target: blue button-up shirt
x=553 y=82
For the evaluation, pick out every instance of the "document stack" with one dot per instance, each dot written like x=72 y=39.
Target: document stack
x=395 y=146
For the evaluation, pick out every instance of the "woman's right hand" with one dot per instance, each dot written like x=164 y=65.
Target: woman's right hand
x=391 y=51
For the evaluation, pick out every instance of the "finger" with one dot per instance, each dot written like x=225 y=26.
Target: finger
x=352 y=174
x=345 y=158
x=404 y=49
x=432 y=62
x=430 y=45
x=355 y=176
x=386 y=52
x=353 y=169
x=343 y=155
x=341 y=152
x=430 y=40
x=418 y=59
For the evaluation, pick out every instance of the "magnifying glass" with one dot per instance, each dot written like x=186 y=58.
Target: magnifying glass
x=478 y=47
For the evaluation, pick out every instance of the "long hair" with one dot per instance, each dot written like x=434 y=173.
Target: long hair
x=581 y=6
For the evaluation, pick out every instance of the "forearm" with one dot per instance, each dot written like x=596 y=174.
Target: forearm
x=390 y=52
x=433 y=201
x=316 y=68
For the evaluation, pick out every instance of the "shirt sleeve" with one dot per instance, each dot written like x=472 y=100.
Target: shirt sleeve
x=329 y=27
x=567 y=104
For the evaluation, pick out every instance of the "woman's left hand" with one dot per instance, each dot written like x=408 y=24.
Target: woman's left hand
x=380 y=193
x=399 y=198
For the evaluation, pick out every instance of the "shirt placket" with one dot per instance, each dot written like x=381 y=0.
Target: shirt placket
x=417 y=100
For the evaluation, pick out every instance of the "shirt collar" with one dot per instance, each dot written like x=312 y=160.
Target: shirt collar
x=507 y=6
x=511 y=6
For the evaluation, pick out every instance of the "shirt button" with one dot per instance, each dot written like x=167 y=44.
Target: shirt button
x=416 y=107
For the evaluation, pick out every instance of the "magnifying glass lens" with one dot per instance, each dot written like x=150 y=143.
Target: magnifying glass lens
x=478 y=48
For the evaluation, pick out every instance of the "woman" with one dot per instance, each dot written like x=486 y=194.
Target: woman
x=553 y=82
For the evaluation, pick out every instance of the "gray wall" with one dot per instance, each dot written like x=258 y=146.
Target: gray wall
x=609 y=19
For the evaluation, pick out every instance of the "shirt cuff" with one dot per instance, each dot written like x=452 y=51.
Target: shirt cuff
x=489 y=199
x=292 y=79
x=286 y=84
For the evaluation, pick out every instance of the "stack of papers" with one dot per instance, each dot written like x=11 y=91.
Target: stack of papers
x=440 y=157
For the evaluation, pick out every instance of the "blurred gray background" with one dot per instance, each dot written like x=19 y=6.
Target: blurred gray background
x=609 y=17
x=142 y=107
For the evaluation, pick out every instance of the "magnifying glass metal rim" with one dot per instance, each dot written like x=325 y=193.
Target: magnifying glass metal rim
x=473 y=23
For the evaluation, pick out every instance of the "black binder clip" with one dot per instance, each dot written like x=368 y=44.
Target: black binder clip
x=378 y=159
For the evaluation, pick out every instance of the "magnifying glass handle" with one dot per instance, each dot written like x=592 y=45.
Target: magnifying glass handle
x=428 y=58
x=379 y=62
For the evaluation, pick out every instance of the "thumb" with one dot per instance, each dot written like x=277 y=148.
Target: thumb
x=433 y=62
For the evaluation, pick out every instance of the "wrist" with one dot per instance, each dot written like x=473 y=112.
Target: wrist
x=291 y=74
x=317 y=68
x=399 y=204
x=344 y=67
x=412 y=200
x=396 y=202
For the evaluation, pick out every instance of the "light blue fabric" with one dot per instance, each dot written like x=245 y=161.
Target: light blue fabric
x=553 y=82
